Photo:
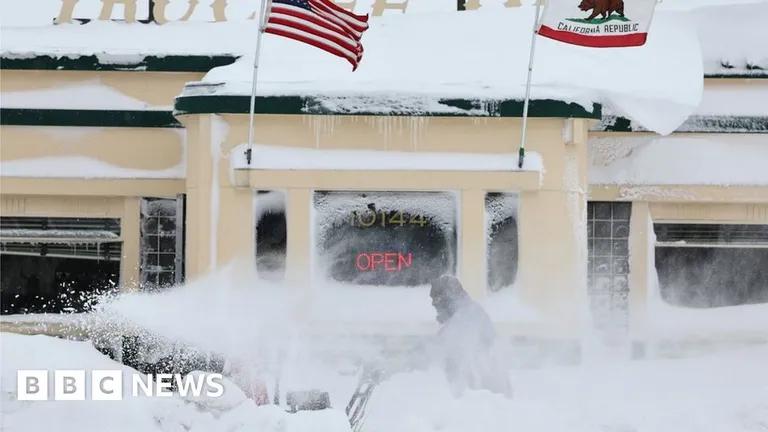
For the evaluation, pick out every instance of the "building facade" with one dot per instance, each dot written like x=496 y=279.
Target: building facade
x=133 y=175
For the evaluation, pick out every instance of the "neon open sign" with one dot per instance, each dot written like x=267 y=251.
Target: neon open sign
x=388 y=261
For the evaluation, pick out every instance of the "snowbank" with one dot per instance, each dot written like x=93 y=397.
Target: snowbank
x=133 y=413
x=719 y=393
x=725 y=392
x=679 y=160
x=745 y=322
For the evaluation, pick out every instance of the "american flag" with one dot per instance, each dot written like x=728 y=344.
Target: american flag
x=320 y=23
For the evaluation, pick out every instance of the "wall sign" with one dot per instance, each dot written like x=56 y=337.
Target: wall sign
x=157 y=9
x=388 y=261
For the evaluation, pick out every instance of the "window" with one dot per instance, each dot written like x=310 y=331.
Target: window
x=386 y=238
x=710 y=265
x=608 y=263
x=501 y=210
x=271 y=236
x=162 y=242
x=57 y=264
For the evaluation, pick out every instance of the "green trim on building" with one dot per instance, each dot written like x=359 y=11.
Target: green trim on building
x=762 y=75
x=312 y=105
x=694 y=124
x=150 y=63
x=95 y=118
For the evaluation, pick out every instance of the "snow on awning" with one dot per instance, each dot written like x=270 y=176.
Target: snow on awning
x=733 y=39
x=82 y=167
x=68 y=237
x=679 y=160
x=292 y=158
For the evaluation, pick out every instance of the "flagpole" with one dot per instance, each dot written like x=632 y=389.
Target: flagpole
x=263 y=14
x=521 y=153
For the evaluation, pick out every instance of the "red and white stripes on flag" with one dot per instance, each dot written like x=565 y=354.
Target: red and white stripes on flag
x=319 y=23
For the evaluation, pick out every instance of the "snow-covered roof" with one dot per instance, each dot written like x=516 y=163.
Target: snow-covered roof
x=409 y=67
x=733 y=39
x=413 y=63
x=726 y=106
x=731 y=31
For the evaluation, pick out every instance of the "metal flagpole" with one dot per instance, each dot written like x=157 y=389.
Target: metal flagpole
x=521 y=154
x=266 y=5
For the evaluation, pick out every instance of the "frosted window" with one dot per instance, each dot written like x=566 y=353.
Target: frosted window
x=386 y=238
x=710 y=265
x=271 y=234
x=501 y=211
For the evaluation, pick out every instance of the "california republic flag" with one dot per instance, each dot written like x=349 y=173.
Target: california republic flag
x=598 y=23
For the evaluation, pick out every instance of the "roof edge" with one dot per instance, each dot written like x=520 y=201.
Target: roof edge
x=93 y=118
x=94 y=62
x=694 y=124
x=355 y=105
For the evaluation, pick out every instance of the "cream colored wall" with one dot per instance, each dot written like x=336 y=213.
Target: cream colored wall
x=552 y=229
x=158 y=89
x=132 y=148
x=122 y=147
x=552 y=212
x=125 y=147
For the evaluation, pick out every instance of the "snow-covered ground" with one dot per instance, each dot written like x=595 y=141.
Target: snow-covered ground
x=232 y=412
x=722 y=392
x=713 y=380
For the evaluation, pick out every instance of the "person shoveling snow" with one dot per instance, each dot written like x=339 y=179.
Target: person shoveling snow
x=464 y=346
x=466 y=339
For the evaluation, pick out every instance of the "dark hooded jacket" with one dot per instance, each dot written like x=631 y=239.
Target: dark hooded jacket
x=466 y=340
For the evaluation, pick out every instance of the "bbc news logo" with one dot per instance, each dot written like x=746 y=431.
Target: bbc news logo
x=107 y=385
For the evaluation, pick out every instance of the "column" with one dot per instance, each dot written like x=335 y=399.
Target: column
x=473 y=243
x=640 y=262
x=298 y=218
x=199 y=196
x=552 y=231
x=130 y=232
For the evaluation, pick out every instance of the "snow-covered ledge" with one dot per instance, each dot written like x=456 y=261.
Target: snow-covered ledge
x=276 y=166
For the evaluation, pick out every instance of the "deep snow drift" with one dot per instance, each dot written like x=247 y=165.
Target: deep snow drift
x=273 y=329
x=723 y=392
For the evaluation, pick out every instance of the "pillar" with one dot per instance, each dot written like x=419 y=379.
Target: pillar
x=298 y=218
x=640 y=263
x=473 y=243
x=130 y=232
x=552 y=230
x=199 y=247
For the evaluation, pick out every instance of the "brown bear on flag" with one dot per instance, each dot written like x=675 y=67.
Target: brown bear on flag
x=623 y=24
